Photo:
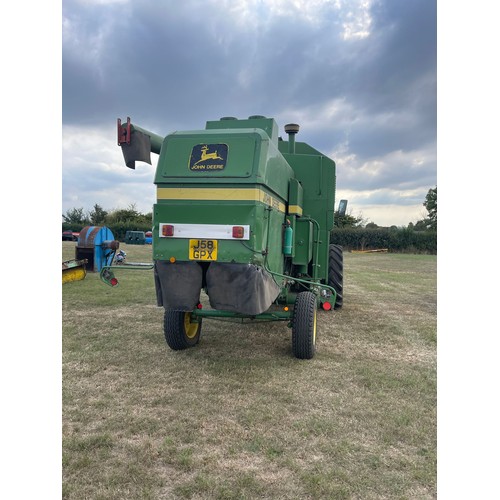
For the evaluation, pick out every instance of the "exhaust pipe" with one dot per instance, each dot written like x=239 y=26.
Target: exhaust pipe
x=291 y=129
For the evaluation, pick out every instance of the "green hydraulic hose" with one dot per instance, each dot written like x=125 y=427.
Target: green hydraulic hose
x=315 y=273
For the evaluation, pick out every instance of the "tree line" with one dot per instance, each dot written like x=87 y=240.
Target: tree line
x=428 y=223
x=119 y=221
x=78 y=218
x=351 y=232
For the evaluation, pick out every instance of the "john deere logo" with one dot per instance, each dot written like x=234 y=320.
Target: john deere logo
x=208 y=157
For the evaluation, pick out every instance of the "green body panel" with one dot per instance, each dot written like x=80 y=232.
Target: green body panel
x=259 y=216
x=303 y=242
x=316 y=174
x=252 y=158
x=247 y=185
x=295 y=196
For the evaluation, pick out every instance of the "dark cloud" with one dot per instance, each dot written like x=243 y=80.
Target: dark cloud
x=363 y=78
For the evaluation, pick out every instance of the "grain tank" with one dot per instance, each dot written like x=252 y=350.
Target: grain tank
x=244 y=216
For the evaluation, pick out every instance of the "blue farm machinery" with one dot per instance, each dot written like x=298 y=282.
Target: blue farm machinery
x=95 y=249
x=244 y=216
x=98 y=246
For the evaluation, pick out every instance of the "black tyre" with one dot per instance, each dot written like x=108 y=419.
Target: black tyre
x=304 y=326
x=336 y=273
x=180 y=330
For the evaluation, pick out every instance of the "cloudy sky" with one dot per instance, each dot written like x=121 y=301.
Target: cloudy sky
x=359 y=76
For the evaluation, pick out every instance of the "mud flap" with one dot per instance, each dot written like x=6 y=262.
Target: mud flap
x=178 y=285
x=241 y=288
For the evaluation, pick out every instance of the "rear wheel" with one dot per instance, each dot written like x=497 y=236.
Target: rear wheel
x=304 y=326
x=336 y=273
x=180 y=329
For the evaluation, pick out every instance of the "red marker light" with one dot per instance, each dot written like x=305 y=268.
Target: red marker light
x=167 y=230
x=326 y=306
x=113 y=281
x=238 y=231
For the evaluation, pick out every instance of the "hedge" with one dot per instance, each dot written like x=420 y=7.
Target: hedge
x=401 y=240
x=118 y=229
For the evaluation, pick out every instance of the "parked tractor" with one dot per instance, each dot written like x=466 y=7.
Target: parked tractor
x=244 y=216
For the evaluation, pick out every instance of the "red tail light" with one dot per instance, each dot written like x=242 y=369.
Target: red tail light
x=113 y=282
x=167 y=230
x=238 y=231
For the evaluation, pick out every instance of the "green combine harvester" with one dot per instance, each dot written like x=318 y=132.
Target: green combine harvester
x=244 y=216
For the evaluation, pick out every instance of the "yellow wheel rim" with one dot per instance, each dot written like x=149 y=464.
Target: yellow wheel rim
x=190 y=328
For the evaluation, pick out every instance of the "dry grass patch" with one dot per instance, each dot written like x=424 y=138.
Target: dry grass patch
x=238 y=416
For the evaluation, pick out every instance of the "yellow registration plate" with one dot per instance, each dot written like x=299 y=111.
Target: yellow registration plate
x=203 y=250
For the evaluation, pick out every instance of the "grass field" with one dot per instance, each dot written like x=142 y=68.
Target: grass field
x=238 y=416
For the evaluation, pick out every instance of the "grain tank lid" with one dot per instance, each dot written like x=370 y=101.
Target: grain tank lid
x=268 y=125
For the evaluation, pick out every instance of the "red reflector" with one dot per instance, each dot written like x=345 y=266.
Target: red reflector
x=326 y=306
x=238 y=231
x=113 y=282
x=199 y=306
x=167 y=230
